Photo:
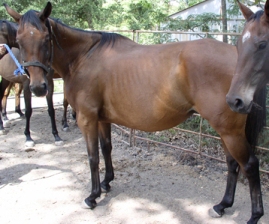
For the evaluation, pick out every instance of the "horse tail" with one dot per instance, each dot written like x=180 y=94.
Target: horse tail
x=256 y=119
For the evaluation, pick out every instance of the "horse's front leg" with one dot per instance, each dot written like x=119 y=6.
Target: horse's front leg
x=89 y=129
x=51 y=111
x=106 y=146
x=228 y=198
x=241 y=151
x=251 y=170
x=28 y=113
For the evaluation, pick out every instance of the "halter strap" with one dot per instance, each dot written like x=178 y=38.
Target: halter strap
x=37 y=64
x=20 y=68
x=48 y=69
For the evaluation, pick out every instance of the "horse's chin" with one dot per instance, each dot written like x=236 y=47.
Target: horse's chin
x=40 y=93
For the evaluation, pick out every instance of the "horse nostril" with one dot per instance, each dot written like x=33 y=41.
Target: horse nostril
x=44 y=86
x=239 y=103
x=39 y=90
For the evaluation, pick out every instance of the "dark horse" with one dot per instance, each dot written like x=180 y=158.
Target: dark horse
x=252 y=70
x=7 y=67
x=111 y=79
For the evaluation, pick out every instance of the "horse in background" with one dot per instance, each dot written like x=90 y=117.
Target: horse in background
x=110 y=79
x=6 y=86
x=7 y=68
x=8 y=36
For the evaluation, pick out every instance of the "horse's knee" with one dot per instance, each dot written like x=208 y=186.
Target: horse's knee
x=251 y=168
x=232 y=164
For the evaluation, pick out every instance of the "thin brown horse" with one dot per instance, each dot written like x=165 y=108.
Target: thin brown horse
x=252 y=70
x=111 y=79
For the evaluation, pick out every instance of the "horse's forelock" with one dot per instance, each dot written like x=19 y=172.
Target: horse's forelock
x=32 y=18
x=256 y=16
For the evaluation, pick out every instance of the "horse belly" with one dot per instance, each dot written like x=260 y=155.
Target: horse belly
x=146 y=116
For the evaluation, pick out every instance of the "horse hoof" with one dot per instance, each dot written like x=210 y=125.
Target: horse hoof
x=29 y=144
x=86 y=204
x=6 y=124
x=213 y=213
x=66 y=129
x=59 y=143
x=105 y=188
x=3 y=132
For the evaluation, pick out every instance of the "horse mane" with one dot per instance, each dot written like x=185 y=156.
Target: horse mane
x=11 y=29
x=256 y=119
x=107 y=39
x=32 y=18
x=256 y=16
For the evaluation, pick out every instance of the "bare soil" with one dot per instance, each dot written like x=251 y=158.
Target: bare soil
x=47 y=183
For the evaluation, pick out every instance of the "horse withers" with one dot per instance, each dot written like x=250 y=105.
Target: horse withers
x=110 y=79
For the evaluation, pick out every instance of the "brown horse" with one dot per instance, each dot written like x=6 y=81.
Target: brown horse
x=8 y=36
x=111 y=79
x=7 y=67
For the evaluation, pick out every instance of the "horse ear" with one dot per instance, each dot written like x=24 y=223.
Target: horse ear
x=266 y=9
x=13 y=13
x=46 y=12
x=247 y=13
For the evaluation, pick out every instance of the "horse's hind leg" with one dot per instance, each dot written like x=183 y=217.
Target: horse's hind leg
x=105 y=142
x=228 y=199
x=18 y=90
x=2 y=89
x=65 y=125
x=51 y=111
x=6 y=86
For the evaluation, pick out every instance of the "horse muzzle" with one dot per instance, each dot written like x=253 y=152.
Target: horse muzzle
x=239 y=105
x=39 y=90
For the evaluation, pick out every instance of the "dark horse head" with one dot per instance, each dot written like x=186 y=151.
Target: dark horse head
x=35 y=36
x=252 y=70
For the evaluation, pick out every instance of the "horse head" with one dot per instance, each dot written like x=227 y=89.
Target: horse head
x=252 y=69
x=34 y=39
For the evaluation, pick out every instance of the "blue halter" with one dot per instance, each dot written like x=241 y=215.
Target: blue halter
x=19 y=70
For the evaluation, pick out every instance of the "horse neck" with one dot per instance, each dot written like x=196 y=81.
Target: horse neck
x=69 y=45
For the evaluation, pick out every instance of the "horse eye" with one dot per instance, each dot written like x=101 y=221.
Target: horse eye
x=262 y=45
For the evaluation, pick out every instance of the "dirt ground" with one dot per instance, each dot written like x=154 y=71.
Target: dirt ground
x=47 y=183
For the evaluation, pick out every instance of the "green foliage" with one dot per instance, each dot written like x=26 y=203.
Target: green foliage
x=100 y=14
x=202 y=21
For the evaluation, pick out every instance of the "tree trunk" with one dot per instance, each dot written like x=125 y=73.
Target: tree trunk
x=224 y=20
